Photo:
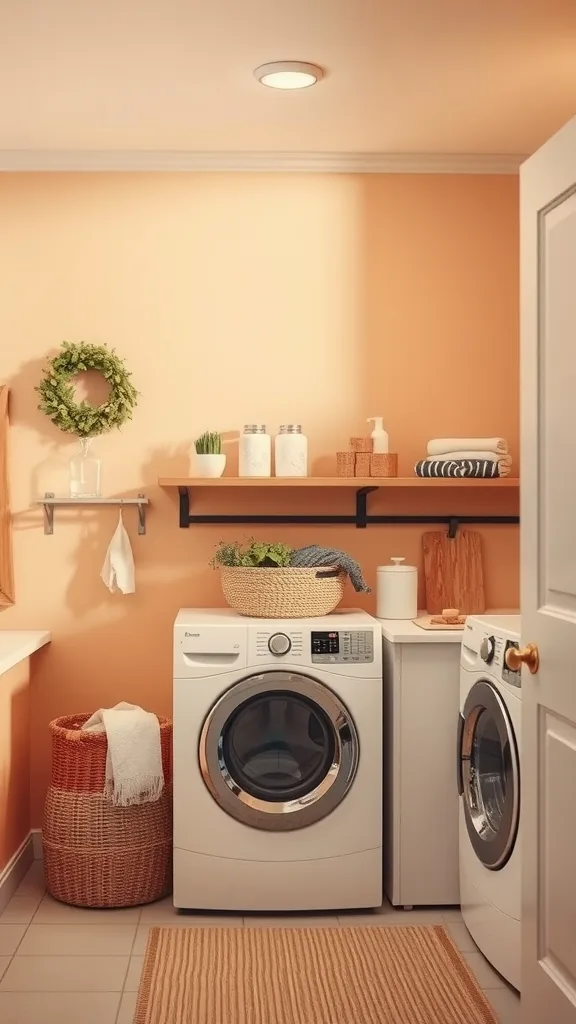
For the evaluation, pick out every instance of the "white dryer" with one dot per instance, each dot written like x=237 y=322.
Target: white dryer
x=277 y=761
x=488 y=763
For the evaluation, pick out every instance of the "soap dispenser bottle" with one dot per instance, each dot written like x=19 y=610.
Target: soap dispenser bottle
x=378 y=435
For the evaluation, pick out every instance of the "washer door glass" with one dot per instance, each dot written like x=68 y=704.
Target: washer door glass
x=278 y=751
x=490 y=776
x=278 y=746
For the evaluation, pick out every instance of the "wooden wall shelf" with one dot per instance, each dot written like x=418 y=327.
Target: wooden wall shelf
x=339 y=481
x=362 y=486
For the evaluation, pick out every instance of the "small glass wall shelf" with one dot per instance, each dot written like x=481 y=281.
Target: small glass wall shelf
x=50 y=501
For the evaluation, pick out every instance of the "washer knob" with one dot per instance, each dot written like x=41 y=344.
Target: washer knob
x=488 y=649
x=279 y=644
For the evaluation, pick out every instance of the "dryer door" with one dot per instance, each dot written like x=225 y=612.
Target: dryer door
x=278 y=751
x=490 y=778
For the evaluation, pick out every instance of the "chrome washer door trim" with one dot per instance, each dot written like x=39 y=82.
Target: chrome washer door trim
x=493 y=848
x=459 y=734
x=279 y=815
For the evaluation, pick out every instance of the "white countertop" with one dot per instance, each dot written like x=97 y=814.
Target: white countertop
x=405 y=631
x=18 y=644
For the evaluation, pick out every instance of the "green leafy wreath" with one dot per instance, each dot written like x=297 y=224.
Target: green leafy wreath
x=57 y=399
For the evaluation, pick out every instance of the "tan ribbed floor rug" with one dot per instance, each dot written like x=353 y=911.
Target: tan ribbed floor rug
x=371 y=975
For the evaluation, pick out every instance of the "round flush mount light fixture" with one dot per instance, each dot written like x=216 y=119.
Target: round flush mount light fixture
x=288 y=74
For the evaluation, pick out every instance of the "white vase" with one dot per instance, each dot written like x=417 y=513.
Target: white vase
x=85 y=471
x=209 y=465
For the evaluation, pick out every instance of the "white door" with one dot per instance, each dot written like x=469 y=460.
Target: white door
x=548 y=592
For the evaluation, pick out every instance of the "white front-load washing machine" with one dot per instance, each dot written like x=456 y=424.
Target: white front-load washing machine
x=488 y=765
x=277 y=761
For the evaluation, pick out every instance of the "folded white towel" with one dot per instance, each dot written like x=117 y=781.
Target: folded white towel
x=118 y=569
x=134 y=773
x=504 y=457
x=464 y=445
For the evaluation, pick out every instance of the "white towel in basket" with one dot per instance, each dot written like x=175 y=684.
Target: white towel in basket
x=134 y=773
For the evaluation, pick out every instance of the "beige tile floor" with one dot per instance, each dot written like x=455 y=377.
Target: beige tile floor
x=61 y=963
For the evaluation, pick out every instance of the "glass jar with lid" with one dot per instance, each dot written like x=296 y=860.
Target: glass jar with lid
x=255 y=451
x=291 y=451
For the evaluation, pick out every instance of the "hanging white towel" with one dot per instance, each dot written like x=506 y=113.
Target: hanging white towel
x=134 y=773
x=118 y=569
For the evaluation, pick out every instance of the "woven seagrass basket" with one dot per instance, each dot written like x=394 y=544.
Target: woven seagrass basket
x=284 y=593
x=96 y=854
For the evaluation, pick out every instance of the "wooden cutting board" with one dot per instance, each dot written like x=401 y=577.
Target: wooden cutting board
x=453 y=572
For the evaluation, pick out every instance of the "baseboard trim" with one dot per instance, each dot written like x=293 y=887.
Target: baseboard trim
x=16 y=868
x=36 y=835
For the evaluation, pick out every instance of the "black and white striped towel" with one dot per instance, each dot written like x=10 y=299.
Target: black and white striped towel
x=457 y=468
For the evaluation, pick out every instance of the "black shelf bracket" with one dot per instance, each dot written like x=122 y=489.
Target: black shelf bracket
x=361 y=506
x=360 y=519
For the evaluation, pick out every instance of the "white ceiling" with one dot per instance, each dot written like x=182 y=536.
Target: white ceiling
x=402 y=76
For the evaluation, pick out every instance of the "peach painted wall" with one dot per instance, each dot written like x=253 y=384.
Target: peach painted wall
x=14 y=760
x=321 y=299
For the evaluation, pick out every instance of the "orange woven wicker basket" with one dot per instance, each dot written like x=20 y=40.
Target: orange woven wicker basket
x=79 y=758
x=96 y=854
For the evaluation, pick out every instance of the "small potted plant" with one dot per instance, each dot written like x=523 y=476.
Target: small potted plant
x=210 y=461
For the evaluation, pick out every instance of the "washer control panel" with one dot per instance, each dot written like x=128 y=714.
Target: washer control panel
x=510 y=676
x=279 y=644
x=341 y=646
x=488 y=649
x=493 y=652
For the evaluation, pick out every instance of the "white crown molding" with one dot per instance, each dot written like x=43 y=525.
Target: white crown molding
x=343 y=163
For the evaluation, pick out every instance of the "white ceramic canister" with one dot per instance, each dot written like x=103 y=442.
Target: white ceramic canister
x=397 y=591
x=255 y=451
x=291 y=451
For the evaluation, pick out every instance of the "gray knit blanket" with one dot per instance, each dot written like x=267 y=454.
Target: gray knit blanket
x=307 y=558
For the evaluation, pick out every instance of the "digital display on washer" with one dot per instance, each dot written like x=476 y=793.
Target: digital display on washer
x=325 y=643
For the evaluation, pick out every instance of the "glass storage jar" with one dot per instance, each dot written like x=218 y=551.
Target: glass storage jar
x=255 y=454
x=291 y=451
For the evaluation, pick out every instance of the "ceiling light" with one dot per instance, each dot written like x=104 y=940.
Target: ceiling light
x=288 y=74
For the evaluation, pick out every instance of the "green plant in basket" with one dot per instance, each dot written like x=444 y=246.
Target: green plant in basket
x=209 y=443
x=252 y=555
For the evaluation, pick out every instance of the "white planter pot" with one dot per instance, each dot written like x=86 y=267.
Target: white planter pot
x=209 y=465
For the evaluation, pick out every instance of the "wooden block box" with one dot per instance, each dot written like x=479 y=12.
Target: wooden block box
x=383 y=464
x=345 y=462
x=361 y=444
x=362 y=467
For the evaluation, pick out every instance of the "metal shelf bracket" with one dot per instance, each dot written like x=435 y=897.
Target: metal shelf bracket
x=360 y=519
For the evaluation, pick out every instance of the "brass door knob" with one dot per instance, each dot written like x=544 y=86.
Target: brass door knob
x=529 y=656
